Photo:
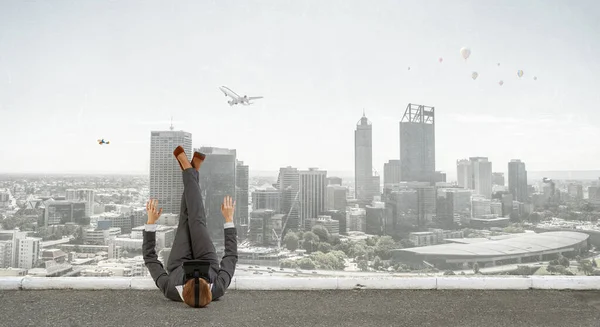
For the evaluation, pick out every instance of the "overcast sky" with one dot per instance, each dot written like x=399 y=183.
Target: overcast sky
x=75 y=71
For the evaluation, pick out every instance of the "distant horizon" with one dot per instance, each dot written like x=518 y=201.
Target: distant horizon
x=588 y=175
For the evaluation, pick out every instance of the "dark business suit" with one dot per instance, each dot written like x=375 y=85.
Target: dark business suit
x=192 y=242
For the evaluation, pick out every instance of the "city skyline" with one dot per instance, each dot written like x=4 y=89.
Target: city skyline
x=317 y=71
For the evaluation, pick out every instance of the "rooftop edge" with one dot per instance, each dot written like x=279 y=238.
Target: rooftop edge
x=313 y=283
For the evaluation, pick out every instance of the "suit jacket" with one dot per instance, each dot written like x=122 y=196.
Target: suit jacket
x=220 y=275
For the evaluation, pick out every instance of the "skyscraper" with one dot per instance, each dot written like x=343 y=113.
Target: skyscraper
x=463 y=173
x=266 y=198
x=166 y=183
x=241 y=196
x=83 y=195
x=334 y=180
x=517 y=180
x=217 y=180
x=313 y=183
x=498 y=178
x=391 y=172
x=417 y=144
x=336 y=198
x=288 y=183
x=363 y=159
x=482 y=176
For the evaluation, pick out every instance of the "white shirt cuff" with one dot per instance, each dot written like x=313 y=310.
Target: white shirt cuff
x=150 y=228
x=229 y=225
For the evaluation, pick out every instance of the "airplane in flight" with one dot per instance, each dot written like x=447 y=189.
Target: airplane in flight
x=237 y=99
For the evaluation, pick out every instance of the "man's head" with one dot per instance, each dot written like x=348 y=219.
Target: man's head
x=205 y=295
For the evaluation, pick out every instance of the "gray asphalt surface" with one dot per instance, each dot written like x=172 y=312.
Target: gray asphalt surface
x=306 y=309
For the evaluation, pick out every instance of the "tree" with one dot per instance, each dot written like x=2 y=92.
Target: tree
x=449 y=273
x=329 y=261
x=324 y=247
x=362 y=265
x=334 y=240
x=311 y=237
x=306 y=264
x=586 y=267
x=377 y=264
x=476 y=268
x=322 y=232
x=551 y=269
x=384 y=247
x=563 y=261
x=372 y=241
x=534 y=217
x=291 y=241
x=562 y=270
x=406 y=243
x=346 y=247
x=311 y=241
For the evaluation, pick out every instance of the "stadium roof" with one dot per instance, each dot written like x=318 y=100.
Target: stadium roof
x=526 y=244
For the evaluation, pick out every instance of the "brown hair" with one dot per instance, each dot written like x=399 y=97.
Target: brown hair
x=204 y=292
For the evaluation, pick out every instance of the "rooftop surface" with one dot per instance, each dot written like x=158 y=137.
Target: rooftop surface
x=304 y=308
x=528 y=243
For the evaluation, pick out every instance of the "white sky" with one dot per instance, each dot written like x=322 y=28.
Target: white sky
x=75 y=71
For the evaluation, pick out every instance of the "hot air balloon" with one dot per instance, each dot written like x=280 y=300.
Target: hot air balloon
x=408 y=67
x=465 y=53
x=535 y=78
x=474 y=75
x=520 y=73
x=498 y=64
x=501 y=83
x=440 y=60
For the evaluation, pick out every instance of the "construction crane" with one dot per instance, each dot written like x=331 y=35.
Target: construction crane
x=278 y=237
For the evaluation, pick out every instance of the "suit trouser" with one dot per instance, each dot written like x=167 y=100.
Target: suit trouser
x=192 y=240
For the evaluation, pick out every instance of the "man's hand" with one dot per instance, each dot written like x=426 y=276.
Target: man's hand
x=227 y=209
x=153 y=212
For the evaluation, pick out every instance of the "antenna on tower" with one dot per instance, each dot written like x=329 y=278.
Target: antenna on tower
x=171 y=127
x=363 y=112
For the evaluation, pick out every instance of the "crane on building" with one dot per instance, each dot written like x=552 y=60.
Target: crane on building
x=287 y=217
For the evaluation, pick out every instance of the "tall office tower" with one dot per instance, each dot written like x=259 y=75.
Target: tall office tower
x=417 y=144
x=482 y=176
x=166 y=183
x=375 y=186
x=217 y=180
x=242 y=178
x=334 y=180
x=313 y=183
x=62 y=212
x=463 y=173
x=445 y=209
x=498 y=179
x=288 y=183
x=363 y=159
x=340 y=217
x=439 y=177
x=83 y=195
x=266 y=198
x=25 y=250
x=5 y=254
x=517 y=180
x=391 y=172
x=575 y=191
x=336 y=197
x=375 y=218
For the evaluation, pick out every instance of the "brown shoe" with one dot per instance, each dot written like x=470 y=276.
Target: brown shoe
x=178 y=150
x=197 y=159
